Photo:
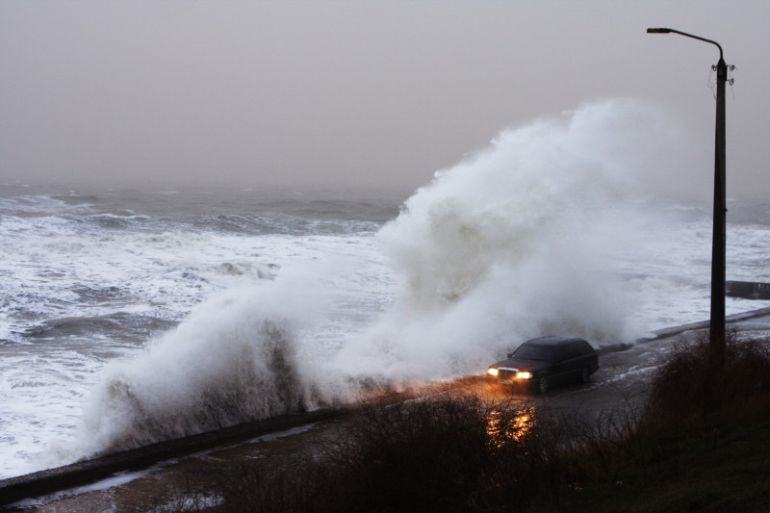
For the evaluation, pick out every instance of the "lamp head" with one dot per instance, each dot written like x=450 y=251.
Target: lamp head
x=659 y=30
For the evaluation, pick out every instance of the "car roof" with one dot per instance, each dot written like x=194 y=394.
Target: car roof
x=552 y=341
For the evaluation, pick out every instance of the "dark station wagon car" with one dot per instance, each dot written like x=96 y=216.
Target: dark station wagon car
x=542 y=363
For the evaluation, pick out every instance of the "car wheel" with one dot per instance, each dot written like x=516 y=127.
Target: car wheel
x=585 y=376
x=543 y=385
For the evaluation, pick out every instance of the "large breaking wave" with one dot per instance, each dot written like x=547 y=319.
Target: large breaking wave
x=512 y=242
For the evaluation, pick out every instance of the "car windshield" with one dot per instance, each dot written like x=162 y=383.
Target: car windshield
x=526 y=352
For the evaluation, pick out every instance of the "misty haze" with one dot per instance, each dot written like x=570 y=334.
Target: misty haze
x=277 y=223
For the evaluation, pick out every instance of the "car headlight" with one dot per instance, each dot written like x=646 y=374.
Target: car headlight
x=523 y=375
x=493 y=372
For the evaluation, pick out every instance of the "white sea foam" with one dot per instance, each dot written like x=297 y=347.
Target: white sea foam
x=505 y=245
x=234 y=359
x=59 y=270
x=548 y=230
x=516 y=242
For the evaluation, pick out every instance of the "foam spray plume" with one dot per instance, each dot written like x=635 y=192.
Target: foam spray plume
x=508 y=244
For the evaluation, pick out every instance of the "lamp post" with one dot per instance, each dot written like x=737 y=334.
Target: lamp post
x=717 y=324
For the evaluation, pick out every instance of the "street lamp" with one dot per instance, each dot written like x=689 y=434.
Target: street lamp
x=717 y=324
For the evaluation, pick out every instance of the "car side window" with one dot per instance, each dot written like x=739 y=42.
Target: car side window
x=563 y=353
x=574 y=350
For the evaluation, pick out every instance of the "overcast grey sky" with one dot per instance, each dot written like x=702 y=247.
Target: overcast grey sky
x=360 y=94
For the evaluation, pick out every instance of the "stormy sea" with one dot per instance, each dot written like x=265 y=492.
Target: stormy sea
x=132 y=315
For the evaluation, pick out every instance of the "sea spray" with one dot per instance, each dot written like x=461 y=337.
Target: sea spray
x=235 y=358
x=511 y=243
x=516 y=242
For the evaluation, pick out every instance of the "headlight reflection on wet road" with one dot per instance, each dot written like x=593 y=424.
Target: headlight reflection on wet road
x=505 y=425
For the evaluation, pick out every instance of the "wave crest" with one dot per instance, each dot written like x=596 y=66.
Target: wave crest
x=234 y=360
x=509 y=244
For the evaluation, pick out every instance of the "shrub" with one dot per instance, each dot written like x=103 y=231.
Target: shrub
x=428 y=455
x=459 y=454
x=689 y=393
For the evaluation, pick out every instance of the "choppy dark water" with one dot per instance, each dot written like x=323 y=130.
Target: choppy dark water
x=89 y=277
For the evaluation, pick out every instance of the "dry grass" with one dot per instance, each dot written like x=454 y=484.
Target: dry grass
x=689 y=393
x=434 y=455
x=463 y=455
